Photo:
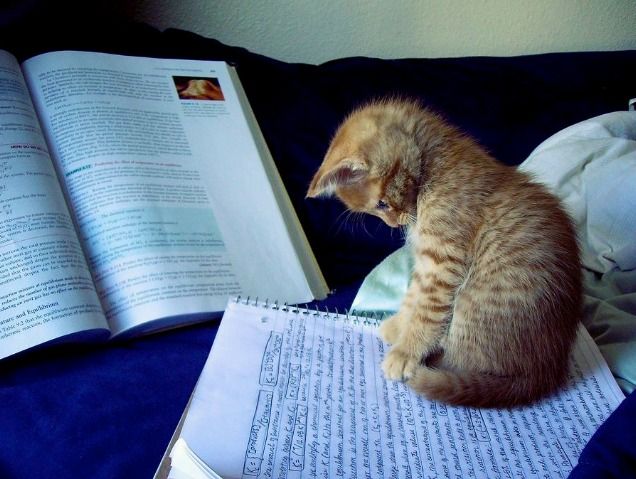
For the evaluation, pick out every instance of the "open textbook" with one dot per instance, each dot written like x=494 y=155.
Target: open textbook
x=307 y=398
x=135 y=194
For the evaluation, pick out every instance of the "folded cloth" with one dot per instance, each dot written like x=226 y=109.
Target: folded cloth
x=591 y=166
x=384 y=287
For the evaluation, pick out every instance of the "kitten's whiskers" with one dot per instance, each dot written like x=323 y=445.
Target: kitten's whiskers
x=340 y=221
x=357 y=222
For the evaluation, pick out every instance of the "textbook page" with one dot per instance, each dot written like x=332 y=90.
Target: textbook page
x=173 y=203
x=306 y=398
x=46 y=290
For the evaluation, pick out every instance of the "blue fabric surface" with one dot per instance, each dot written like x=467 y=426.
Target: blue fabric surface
x=611 y=454
x=108 y=411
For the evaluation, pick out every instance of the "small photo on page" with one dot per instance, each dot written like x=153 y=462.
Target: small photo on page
x=198 y=88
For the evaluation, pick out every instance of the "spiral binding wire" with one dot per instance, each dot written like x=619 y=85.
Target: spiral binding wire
x=351 y=316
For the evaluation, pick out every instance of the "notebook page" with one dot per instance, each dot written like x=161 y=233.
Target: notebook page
x=286 y=394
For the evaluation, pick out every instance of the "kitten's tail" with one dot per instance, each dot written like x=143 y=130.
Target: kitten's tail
x=476 y=389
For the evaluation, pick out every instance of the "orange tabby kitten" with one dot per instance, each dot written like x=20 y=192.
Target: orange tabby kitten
x=495 y=298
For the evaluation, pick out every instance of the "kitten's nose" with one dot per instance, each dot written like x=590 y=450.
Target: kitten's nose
x=391 y=219
x=403 y=219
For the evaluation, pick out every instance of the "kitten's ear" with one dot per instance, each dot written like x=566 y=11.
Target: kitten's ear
x=329 y=176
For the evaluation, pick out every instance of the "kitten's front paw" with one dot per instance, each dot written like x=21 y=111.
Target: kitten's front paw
x=389 y=329
x=398 y=365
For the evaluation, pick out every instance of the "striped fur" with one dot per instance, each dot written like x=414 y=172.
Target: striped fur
x=493 y=305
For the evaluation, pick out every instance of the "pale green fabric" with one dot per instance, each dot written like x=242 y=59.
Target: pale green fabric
x=591 y=166
x=385 y=286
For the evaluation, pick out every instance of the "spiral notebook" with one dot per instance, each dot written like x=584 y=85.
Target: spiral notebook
x=290 y=392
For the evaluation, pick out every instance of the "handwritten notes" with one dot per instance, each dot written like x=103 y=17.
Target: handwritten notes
x=301 y=394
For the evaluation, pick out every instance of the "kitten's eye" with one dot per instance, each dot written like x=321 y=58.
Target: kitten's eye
x=382 y=205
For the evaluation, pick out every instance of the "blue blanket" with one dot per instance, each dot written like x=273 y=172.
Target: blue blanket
x=108 y=411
